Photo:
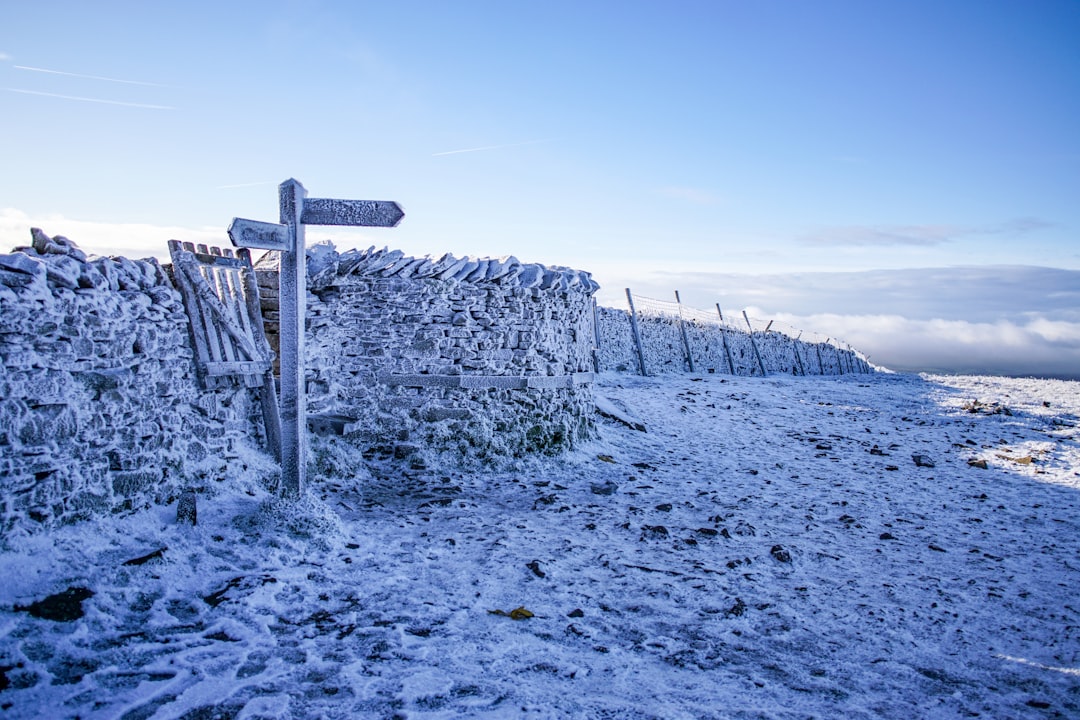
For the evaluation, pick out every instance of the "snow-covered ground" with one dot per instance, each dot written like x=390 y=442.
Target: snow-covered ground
x=767 y=549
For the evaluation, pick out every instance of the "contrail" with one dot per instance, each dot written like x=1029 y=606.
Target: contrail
x=93 y=100
x=490 y=147
x=87 y=77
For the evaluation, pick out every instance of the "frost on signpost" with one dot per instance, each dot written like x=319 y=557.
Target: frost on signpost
x=297 y=210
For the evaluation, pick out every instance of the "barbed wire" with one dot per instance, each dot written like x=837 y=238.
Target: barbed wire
x=647 y=306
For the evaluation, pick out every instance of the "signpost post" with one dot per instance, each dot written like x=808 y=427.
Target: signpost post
x=297 y=210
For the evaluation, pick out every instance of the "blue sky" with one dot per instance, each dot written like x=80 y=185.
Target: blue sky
x=720 y=148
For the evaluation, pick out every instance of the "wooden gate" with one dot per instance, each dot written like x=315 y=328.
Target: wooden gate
x=222 y=301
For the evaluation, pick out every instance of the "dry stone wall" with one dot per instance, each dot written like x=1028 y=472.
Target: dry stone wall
x=100 y=407
x=485 y=358
x=664 y=350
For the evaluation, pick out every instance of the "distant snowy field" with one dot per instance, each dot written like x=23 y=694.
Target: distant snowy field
x=767 y=549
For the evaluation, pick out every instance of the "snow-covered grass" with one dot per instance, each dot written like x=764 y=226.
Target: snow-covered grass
x=767 y=549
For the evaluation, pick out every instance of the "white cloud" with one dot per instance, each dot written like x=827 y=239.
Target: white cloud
x=140 y=240
x=918 y=235
x=4 y=57
x=977 y=293
x=886 y=235
x=1015 y=320
x=135 y=240
x=1038 y=346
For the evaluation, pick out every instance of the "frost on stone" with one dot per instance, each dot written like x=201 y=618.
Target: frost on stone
x=101 y=409
x=507 y=270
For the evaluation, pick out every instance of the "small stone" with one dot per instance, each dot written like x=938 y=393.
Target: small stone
x=737 y=609
x=922 y=461
x=21 y=263
x=745 y=529
x=606 y=488
x=576 y=613
x=780 y=554
x=143 y=559
x=61 y=607
x=186 y=511
x=981 y=464
x=886 y=536
x=535 y=567
x=43 y=244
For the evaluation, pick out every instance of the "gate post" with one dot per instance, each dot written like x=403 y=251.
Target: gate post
x=636 y=332
x=293 y=309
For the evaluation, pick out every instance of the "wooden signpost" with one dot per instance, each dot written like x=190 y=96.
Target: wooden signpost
x=287 y=237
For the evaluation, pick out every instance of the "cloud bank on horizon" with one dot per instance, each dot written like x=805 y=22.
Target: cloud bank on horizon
x=996 y=320
x=132 y=240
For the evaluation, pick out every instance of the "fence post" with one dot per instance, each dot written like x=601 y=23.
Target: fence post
x=836 y=350
x=637 y=333
x=753 y=344
x=795 y=350
x=723 y=340
x=682 y=330
x=596 y=337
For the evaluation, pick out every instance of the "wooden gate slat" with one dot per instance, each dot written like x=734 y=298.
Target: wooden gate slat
x=201 y=351
x=221 y=296
x=215 y=308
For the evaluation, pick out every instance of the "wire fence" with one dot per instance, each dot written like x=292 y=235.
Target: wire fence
x=658 y=336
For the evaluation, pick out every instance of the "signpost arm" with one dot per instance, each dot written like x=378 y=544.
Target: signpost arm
x=293 y=308
x=288 y=238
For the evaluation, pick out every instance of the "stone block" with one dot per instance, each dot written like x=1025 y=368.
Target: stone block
x=128 y=484
x=187 y=508
x=439 y=414
x=483 y=382
x=422 y=380
x=548 y=382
